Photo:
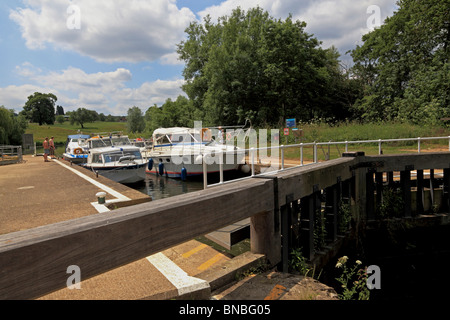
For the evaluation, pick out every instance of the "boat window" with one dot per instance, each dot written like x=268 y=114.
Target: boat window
x=177 y=138
x=120 y=141
x=162 y=139
x=96 y=158
x=115 y=156
x=99 y=143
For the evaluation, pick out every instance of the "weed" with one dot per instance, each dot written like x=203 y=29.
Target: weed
x=353 y=280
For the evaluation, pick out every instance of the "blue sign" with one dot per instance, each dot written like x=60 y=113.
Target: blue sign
x=290 y=123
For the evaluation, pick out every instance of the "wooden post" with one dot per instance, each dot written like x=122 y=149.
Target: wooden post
x=370 y=210
x=419 y=196
x=379 y=189
x=263 y=237
x=331 y=207
x=446 y=191
x=286 y=222
x=432 y=188
x=307 y=226
x=405 y=181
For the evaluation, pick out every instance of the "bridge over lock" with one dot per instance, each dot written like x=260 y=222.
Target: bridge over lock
x=287 y=209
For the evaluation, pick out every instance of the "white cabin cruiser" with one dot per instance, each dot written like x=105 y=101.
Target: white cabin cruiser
x=123 y=164
x=179 y=152
x=76 y=148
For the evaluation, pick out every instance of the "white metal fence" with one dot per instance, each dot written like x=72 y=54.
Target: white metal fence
x=253 y=160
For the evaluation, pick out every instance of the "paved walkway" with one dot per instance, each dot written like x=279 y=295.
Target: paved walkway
x=35 y=193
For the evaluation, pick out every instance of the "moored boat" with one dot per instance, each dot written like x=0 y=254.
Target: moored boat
x=76 y=148
x=123 y=164
x=179 y=152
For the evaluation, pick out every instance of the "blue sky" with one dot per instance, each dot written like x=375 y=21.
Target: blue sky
x=122 y=52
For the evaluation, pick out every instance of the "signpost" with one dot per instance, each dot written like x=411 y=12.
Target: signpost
x=290 y=123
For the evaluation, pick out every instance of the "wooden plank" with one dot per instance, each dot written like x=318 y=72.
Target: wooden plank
x=34 y=262
x=300 y=181
x=420 y=161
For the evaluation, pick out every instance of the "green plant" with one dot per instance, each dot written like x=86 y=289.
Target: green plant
x=345 y=217
x=320 y=232
x=297 y=261
x=392 y=204
x=353 y=280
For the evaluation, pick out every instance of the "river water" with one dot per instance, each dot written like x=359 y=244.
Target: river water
x=159 y=187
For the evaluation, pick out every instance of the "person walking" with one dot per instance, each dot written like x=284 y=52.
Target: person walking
x=46 y=146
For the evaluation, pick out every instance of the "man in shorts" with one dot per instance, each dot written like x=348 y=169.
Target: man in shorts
x=46 y=146
x=52 y=148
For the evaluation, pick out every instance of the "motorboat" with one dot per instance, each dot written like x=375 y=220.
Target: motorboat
x=76 y=148
x=123 y=164
x=144 y=145
x=179 y=152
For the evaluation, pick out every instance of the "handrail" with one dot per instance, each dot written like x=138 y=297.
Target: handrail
x=315 y=153
x=13 y=154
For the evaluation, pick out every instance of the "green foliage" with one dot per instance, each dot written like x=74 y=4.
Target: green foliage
x=404 y=65
x=135 y=120
x=178 y=113
x=345 y=217
x=40 y=108
x=11 y=127
x=251 y=66
x=297 y=262
x=60 y=119
x=81 y=116
x=392 y=204
x=353 y=280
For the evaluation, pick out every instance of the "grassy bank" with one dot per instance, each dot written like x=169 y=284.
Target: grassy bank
x=319 y=132
x=322 y=132
x=61 y=131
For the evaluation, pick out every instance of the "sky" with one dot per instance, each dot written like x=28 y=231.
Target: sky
x=111 y=55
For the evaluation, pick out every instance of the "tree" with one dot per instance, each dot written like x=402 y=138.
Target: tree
x=250 y=65
x=40 y=108
x=81 y=116
x=60 y=119
x=135 y=120
x=12 y=127
x=178 y=113
x=404 y=65
x=59 y=111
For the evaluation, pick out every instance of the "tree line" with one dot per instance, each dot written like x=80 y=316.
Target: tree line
x=251 y=66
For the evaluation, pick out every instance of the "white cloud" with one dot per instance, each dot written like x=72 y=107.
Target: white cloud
x=105 y=92
x=109 y=31
x=340 y=23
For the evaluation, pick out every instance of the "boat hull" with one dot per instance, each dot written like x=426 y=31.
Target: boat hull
x=124 y=174
x=192 y=165
x=75 y=158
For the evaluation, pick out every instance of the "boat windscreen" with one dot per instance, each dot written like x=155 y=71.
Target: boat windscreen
x=116 y=156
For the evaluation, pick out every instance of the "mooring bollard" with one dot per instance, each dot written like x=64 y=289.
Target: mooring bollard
x=101 y=197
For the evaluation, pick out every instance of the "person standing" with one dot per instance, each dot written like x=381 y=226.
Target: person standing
x=46 y=146
x=52 y=147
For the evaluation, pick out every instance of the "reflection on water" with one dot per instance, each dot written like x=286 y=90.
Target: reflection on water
x=159 y=187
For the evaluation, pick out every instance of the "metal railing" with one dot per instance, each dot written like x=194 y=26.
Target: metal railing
x=10 y=154
x=280 y=149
